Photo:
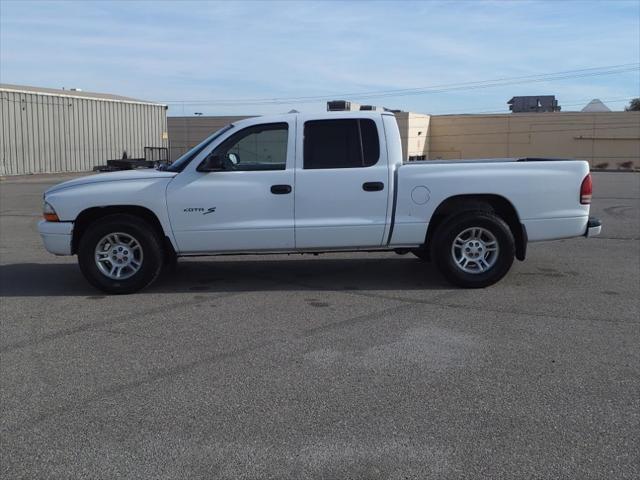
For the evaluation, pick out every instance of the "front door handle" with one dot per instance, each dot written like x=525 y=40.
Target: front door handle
x=280 y=189
x=372 y=186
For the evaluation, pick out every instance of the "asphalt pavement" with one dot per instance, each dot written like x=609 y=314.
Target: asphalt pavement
x=359 y=366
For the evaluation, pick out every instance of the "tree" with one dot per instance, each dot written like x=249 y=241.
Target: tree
x=634 y=105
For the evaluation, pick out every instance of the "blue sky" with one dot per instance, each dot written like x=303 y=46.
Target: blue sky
x=210 y=51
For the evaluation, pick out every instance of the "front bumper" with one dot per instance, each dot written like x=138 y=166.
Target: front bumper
x=594 y=227
x=56 y=236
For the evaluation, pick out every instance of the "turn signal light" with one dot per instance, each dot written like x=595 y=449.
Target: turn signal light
x=586 y=190
x=49 y=213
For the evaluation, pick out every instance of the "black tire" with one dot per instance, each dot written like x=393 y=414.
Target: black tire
x=145 y=235
x=170 y=262
x=422 y=254
x=443 y=255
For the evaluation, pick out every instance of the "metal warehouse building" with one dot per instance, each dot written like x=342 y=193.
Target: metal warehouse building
x=47 y=130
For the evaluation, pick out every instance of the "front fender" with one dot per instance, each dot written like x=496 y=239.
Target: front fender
x=149 y=193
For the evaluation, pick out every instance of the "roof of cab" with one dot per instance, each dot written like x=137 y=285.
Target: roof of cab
x=309 y=116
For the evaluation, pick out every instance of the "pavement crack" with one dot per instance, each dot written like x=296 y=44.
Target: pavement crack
x=154 y=376
x=356 y=320
x=110 y=321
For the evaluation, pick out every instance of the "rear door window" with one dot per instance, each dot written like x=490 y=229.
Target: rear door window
x=344 y=143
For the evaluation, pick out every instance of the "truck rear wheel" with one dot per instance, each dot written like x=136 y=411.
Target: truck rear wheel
x=120 y=254
x=474 y=249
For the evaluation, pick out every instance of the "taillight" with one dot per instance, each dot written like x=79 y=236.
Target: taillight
x=586 y=190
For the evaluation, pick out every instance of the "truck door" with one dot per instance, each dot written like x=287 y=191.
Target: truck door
x=244 y=205
x=342 y=178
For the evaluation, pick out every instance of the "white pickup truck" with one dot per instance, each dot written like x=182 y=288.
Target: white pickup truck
x=326 y=182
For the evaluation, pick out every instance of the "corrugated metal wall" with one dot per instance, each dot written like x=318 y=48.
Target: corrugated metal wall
x=54 y=133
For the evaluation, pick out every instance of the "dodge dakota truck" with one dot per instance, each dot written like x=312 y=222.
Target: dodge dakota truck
x=327 y=182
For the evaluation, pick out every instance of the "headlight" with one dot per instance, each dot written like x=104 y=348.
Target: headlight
x=49 y=213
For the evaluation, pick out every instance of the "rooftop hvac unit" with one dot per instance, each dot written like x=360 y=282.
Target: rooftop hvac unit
x=342 y=106
x=338 y=106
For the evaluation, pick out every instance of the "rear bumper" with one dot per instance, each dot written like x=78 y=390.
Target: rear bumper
x=541 y=229
x=594 y=227
x=56 y=236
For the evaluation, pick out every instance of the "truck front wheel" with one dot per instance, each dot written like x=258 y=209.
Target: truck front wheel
x=474 y=249
x=120 y=254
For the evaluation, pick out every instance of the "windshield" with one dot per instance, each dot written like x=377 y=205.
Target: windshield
x=184 y=160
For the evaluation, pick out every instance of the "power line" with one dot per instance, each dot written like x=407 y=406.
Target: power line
x=572 y=103
x=409 y=90
x=563 y=75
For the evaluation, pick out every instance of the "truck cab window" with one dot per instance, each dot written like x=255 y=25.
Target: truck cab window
x=346 y=143
x=259 y=147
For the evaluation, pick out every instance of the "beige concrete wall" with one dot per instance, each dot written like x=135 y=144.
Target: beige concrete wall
x=186 y=132
x=414 y=134
x=605 y=139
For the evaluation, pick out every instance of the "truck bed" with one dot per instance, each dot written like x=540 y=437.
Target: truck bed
x=488 y=160
x=545 y=193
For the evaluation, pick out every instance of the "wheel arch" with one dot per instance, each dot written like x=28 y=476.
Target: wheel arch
x=497 y=204
x=90 y=215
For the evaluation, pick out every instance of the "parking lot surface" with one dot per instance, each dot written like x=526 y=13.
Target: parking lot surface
x=364 y=366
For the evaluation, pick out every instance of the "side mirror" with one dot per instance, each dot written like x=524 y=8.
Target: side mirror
x=234 y=158
x=213 y=163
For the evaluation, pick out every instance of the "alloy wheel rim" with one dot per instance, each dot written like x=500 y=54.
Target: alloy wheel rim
x=118 y=256
x=475 y=250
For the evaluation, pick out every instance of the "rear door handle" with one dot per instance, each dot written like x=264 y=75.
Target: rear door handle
x=372 y=186
x=280 y=189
